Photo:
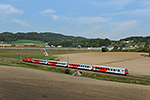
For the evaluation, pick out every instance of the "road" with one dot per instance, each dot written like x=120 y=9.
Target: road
x=18 y=83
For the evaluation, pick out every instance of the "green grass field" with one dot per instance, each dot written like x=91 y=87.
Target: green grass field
x=25 y=42
x=37 y=53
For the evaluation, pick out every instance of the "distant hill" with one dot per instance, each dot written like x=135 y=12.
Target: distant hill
x=55 y=39
x=44 y=37
x=137 y=39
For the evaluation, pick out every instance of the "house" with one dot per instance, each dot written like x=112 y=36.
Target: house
x=110 y=47
x=59 y=46
x=133 y=46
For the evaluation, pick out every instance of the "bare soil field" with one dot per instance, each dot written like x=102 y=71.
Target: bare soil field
x=28 y=84
x=137 y=63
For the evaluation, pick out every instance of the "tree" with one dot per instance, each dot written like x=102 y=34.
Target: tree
x=147 y=46
x=114 y=49
x=105 y=49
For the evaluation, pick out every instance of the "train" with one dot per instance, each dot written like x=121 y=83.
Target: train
x=97 y=68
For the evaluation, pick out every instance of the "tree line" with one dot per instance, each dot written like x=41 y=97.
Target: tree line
x=83 y=43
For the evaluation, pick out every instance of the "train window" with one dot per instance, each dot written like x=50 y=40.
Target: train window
x=114 y=69
x=118 y=70
x=103 y=68
x=108 y=69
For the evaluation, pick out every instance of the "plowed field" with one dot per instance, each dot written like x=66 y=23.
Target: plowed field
x=29 y=84
x=137 y=63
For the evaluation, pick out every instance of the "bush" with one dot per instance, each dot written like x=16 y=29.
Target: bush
x=67 y=71
x=105 y=49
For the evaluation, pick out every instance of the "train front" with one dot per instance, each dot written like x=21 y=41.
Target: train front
x=126 y=71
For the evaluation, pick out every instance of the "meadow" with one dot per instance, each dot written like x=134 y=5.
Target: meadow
x=38 y=53
x=28 y=42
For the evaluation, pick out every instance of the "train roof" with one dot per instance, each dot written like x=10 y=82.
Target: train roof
x=108 y=67
x=79 y=63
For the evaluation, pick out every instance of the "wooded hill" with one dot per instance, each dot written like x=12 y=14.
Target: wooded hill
x=137 y=39
x=44 y=37
x=64 y=40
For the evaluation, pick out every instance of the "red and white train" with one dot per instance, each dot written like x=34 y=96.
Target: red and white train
x=107 y=69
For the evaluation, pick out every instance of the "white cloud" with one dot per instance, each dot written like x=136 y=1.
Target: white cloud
x=145 y=3
x=91 y=20
x=72 y=13
x=142 y=12
x=124 y=26
x=8 y=10
x=55 y=17
x=86 y=33
x=114 y=3
x=67 y=18
x=20 y=22
x=92 y=32
x=96 y=27
x=120 y=3
x=48 y=11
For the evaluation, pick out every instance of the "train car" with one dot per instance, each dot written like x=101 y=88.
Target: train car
x=43 y=62
x=123 y=71
x=27 y=59
x=80 y=66
x=57 y=63
x=36 y=60
x=107 y=69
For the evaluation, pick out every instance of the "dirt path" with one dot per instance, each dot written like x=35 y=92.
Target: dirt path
x=137 y=63
x=28 y=84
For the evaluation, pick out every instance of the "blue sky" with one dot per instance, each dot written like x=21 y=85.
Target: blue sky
x=112 y=19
